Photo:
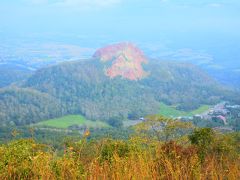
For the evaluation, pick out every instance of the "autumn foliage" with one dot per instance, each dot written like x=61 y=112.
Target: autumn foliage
x=126 y=59
x=202 y=154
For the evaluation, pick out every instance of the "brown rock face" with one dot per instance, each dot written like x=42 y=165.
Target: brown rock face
x=126 y=61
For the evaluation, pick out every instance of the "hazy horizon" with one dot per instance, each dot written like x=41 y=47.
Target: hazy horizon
x=203 y=32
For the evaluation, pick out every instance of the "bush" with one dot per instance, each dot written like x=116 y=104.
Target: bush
x=115 y=122
x=203 y=139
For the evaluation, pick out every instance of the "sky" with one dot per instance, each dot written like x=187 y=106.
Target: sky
x=120 y=18
x=199 y=30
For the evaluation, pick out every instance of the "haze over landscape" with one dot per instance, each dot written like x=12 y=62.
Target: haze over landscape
x=205 y=32
x=119 y=89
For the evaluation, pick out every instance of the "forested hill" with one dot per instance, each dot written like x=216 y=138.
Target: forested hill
x=10 y=73
x=85 y=89
x=21 y=106
x=101 y=89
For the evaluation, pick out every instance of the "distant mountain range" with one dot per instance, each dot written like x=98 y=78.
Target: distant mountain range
x=118 y=81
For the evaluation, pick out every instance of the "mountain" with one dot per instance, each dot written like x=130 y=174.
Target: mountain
x=125 y=60
x=84 y=88
x=11 y=73
x=229 y=77
x=118 y=81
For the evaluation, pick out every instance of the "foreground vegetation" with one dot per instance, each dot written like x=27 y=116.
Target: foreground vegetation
x=177 y=151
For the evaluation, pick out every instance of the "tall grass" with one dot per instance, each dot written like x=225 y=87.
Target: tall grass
x=116 y=159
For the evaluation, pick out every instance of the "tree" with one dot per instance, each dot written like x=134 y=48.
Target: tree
x=237 y=124
x=163 y=128
x=115 y=122
x=203 y=138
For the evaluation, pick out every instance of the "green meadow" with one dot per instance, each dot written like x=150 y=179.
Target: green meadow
x=171 y=111
x=69 y=120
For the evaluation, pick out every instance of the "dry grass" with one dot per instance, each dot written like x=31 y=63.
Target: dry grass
x=111 y=159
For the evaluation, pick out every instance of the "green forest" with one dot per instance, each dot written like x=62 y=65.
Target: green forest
x=82 y=88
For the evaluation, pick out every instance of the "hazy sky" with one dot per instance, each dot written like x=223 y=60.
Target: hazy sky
x=200 y=31
x=120 y=18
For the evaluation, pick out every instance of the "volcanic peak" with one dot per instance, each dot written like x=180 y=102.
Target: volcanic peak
x=126 y=60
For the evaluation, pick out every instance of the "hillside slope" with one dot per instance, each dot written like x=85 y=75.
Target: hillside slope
x=10 y=73
x=25 y=106
x=84 y=88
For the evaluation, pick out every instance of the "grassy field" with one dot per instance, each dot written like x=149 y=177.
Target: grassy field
x=66 y=121
x=170 y=111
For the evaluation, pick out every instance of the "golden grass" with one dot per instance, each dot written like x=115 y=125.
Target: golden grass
x=134 y=159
